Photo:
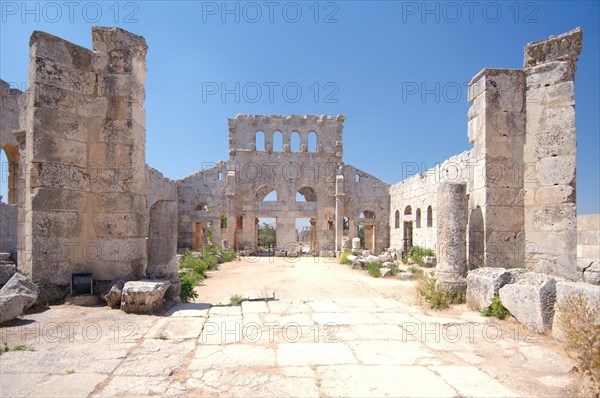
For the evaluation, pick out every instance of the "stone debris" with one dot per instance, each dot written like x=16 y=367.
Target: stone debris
x=530 y=299
x=483 y=284
x=16 y=296
x=113 y=297
x=143 y=297
x=385 y=272
x=591 y=274
x=565 y=290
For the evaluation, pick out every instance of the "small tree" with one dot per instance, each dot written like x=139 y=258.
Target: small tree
x=266 y=235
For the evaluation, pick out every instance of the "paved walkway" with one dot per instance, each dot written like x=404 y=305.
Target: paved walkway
x=288 y=347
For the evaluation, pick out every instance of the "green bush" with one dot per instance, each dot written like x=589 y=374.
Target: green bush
x=417 y=253
x=496 y=309
x=188 y=281
x=415 y=270
x=373 y=269
x=198 y=265
x=227 y=255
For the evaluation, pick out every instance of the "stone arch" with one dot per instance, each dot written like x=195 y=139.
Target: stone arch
x=264 y=193
x=407 y=210
x=397 y=219
x=418 y=218
x=367 y=214
x=308 y=194
x=429 y=216
x=201 y=206
x=476 y=239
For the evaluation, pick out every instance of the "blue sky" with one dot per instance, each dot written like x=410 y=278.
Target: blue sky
x=355 y=58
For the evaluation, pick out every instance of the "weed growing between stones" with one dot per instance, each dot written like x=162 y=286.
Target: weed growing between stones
x=236 y=300
x=579 y=323
x=416 y=254
x=373 y=269
x=437 y=296
x=6 y=348
x=344 y=258
x=496 y=309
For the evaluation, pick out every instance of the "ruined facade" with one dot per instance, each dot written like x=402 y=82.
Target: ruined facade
x=86 y=200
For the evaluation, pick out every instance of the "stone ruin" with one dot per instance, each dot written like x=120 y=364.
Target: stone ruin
x=82 y=199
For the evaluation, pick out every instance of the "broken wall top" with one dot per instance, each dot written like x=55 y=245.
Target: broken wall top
x=565 y=47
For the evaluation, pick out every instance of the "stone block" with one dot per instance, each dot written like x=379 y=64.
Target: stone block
x=591 y=274
x=385 y=258
x=530 y=299
x=16 y=296
x=483 y=284
x=113 y=297
x=385 y=272
x=143 y=297
x=564 y=290
x=372 y=259
x=162 y=240
x=6 y=272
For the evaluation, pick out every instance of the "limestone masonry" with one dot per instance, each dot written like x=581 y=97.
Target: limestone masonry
x=81 y=197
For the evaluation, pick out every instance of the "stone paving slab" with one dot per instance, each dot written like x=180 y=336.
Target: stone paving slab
x=382 y=381
x=345 y=347
x=183 y=310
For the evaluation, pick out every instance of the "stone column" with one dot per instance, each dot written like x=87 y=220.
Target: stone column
x=339 y=205
x=451 y=270
x=550 y=154
x=162 y=240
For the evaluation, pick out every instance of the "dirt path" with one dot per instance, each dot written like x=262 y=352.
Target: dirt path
x=304 y=278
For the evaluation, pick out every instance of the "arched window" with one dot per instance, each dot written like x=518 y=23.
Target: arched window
x=306 y=194
x=260 y=141
x=407 y=210
x=201 y=206
x=295 y=141
x=277 y=141
x=266 y=194
x=418 y=218
x=429 y=216
x=357 y=178
x=397 y=219
x=312 y=141
x=367 y=214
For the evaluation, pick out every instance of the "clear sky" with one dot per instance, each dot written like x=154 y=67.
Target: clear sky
x=397 y=70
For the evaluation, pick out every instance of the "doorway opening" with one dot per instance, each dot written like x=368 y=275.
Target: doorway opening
x=266 y=236
x=306 y=235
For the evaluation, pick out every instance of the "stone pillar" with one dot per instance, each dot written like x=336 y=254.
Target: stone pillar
x=549 y=154
x=162 y=240
x=497 y=130
x=451 y=270
x=339 y=206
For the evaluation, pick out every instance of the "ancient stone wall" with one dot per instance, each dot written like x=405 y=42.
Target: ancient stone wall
x=588 y=240
x=9 y=122
x=159 y=187
x=550 y=221
x=84 y=145
x=413 y=210
x=8 y=228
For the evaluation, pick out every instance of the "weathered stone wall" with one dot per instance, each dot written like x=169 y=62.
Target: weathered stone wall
x=588 y=239
x=369 y=196
x=159 y=187
x=84 y=140
x=8 y=228
x=550 y=221
x=9 y=122
x=419 y=193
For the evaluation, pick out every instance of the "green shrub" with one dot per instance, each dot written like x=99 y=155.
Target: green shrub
x=373 y=269
x=188 y=281
x=496 y=309
x=236 y=300
x=578 y=323
x=198 y=265
x=415 y=270
x=344 y=258
x=417 y=253
x=438 y=297
x=227 y=255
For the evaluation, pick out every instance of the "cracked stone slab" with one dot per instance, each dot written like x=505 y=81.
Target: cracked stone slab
x=232 y=355
x=377 y=352
x=183 y=310
x=345 y=318
x=142 y=386
x=471 y=382
x=155 y=357
x=381 y=381
x=67 y=385
x=301 y=354
x=176 y=328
